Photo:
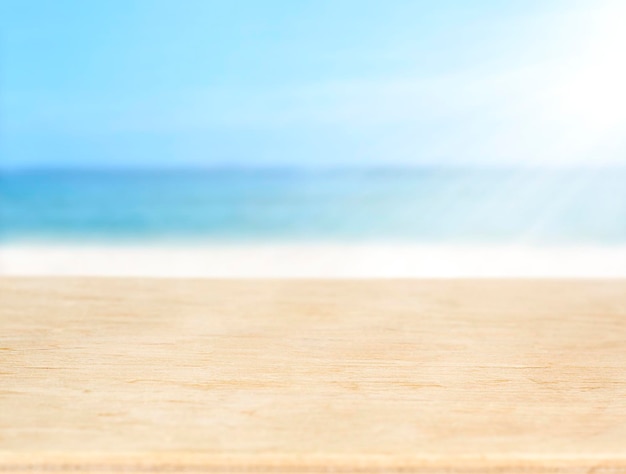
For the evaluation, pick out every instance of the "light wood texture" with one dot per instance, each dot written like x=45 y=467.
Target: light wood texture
x=148 y=375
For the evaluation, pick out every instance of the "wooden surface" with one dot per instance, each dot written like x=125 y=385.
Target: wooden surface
x=110 y=375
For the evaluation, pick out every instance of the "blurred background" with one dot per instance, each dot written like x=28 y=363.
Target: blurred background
x=313 y=138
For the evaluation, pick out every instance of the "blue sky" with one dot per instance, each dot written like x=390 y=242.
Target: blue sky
x=312 y=82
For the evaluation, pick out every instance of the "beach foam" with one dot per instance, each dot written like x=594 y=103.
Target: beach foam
x=312 y=261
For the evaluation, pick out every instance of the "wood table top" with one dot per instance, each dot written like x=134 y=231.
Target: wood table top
x=175 y=375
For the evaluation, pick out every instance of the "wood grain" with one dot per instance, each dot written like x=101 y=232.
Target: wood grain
x=157 y=375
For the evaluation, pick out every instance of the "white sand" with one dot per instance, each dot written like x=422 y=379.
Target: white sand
x=312 y=260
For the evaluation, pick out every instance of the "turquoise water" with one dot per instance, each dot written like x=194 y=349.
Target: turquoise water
x=415 y=205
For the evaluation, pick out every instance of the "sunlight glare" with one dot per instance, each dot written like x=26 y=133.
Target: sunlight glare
x=594 y=92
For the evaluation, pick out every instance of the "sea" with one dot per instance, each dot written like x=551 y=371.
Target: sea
x=430 y=205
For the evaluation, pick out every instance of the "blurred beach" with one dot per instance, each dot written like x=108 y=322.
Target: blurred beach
x=332 y=139
x=429 y=222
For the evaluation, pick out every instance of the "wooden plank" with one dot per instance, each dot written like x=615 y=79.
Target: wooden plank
x=138 y=375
